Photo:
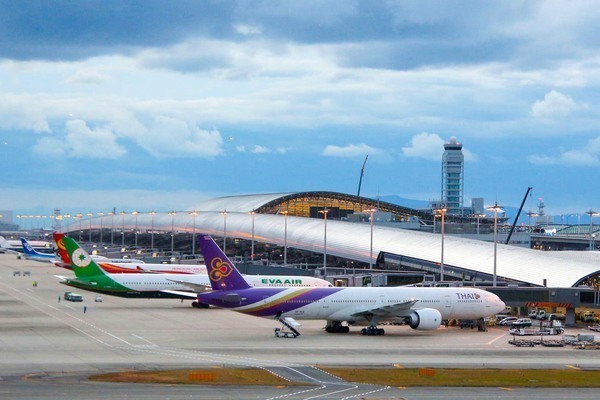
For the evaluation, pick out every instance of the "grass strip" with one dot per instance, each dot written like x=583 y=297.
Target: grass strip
x=550 y=378
x=216 y=376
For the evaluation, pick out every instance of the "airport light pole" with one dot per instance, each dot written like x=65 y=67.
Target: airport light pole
x=224 y=214
x=324 y=212
x=592 y=214
x=112 y=227
x=371 y=212
x=101 y=215
x=495 y=208
x=194 y=214
x=122 y=228
x=442 y=212
x=135 y=232
x=152 y=214
x=253 y=213
x=285 y=213
x=531 y=214
x=172 y=214
x=89 y=215
x=80 y=217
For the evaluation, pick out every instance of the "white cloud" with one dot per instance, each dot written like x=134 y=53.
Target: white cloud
x=425 y=145
x=554 y=104
x=352 y=150
x=87 y=76
x=80 y=142
x=260 y=149
x=247 y=29
x=586 y=156
x=170 y=137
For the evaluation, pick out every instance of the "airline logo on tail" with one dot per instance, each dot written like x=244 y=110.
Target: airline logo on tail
x=80 y=258
x=220 y=269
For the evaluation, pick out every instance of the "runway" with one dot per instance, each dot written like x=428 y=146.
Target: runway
x=46 y=344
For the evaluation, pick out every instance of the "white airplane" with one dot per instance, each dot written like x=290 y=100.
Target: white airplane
x=30 y=253
x=131 y=266
x=89 y=276
x=419 y=307
x=16 y=247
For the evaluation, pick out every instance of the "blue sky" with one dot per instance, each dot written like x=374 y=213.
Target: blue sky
x=161 y=104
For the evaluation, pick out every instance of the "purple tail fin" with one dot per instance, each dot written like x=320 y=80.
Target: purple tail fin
x=222 y=273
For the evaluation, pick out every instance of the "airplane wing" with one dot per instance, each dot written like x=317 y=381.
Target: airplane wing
x=196 y=286
x=390 y=310
x=191 y=295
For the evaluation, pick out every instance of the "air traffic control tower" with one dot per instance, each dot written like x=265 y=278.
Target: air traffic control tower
x=453 y=162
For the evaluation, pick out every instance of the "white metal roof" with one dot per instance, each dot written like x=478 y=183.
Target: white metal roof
x=352 y=240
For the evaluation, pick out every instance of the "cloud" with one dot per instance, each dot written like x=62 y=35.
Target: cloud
x=169 y=137
x=554 y=104
x=88 y=77
x=352 y=150
x=425 y=145
x=81 y=141
x=587 y=156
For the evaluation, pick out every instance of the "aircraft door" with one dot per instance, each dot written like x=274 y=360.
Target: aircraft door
x=447 y=306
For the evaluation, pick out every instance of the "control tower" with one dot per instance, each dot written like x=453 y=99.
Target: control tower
x=453 y=162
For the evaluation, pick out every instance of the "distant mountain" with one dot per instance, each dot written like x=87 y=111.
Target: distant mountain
x=510 y=212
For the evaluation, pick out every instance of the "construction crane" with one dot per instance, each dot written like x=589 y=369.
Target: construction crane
x=518 y=214
x=362 y=172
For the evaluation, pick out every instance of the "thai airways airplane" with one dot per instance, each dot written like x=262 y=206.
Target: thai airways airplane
x=31 y=254
x=419 y=307
x=89 y=276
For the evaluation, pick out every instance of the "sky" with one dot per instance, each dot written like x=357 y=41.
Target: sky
x=159 y=105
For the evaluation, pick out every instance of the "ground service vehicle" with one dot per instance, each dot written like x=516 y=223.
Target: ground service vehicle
x=507 y=321
x=522 y=323
x=70 y=296
x=589 y=316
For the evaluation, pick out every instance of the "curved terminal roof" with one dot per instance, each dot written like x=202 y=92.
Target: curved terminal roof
x=352 y=240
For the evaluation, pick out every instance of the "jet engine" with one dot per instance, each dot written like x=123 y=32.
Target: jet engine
x=425 y=318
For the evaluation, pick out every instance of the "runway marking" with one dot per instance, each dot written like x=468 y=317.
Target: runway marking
x=141 y=338
x=506 y=388
x=499 y=337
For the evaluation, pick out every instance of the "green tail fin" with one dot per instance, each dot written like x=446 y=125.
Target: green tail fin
x=83 y=265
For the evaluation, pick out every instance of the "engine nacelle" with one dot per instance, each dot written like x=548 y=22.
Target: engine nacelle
x=424 y=319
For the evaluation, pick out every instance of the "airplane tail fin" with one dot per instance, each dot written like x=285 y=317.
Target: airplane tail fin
x=82 y=264
x=27 y=249
x=221 y=271
x=62 y=251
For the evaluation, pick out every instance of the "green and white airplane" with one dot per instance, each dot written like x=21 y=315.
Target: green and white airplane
x=89 y=276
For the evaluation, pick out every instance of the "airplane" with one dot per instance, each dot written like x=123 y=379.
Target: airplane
x=90 y=276
x=16 y=247
x=30 y=253
x=421 y=308
x=116 y=266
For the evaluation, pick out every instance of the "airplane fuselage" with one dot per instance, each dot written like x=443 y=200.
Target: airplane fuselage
x=347 y=304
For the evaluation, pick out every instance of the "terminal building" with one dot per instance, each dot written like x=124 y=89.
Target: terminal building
x=375 y=252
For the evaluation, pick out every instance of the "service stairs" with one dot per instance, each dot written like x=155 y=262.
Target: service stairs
x=289 y=323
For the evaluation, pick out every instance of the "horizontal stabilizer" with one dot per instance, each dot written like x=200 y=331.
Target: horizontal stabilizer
x=181 y=293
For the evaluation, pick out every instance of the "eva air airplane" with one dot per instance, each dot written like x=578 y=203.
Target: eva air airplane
x=419 y=307
x=89 y=276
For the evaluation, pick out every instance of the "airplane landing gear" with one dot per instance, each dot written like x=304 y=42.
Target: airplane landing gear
x=372 y=331
x=197 y=304
x=336 y=327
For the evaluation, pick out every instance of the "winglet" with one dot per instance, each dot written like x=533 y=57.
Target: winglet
x=222 y=273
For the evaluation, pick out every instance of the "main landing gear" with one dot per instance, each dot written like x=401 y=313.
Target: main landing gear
x=336 y=327
x=197 y=304
x=372 y=331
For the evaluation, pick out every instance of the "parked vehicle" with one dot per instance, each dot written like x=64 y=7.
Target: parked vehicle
x=557 y=317
x=508 y=321
x=522 y=323
x=467 y=323
x=70 y=296
x=589 y=317
x=533 y=314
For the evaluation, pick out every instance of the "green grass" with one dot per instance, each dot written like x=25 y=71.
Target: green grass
x=470 y=377
x=566 y=378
